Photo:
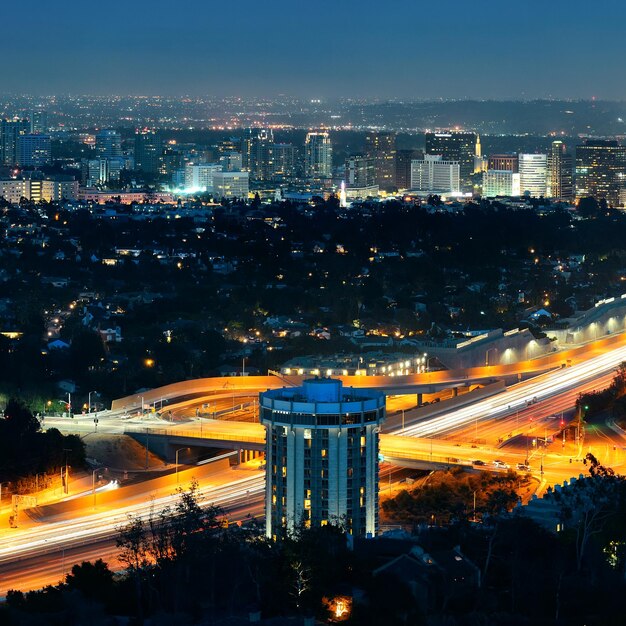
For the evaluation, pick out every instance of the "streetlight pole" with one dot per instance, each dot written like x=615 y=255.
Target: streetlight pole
x=93 y=487
x=67 y=478
x=402 y=420
x=177 y=451
x=243 y=366
x=89 y=400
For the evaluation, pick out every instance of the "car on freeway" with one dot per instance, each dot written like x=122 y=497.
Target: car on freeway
x=500 y=464
x=523 y=467
x=478 y=462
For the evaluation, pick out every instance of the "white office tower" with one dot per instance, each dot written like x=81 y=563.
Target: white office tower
x=231 y=184
x=500 y=183
x=318 y=155
x=533 y=173
x=433 y=174
x=200 y=177
x=322 y=456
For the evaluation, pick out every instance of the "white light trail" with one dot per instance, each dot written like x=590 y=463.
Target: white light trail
x=518 y=396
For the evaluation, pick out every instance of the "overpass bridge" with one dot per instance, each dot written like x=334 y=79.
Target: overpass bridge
x=424 y=383
x=249 y=440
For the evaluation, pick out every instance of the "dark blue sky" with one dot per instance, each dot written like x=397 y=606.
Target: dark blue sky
x=325 y=48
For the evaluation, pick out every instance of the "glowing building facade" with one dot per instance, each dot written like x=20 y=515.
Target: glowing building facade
x=433 y=174
x=461 y=147
x=322 y=456
x=600 y=170
x=533 y=174
x=318 y=155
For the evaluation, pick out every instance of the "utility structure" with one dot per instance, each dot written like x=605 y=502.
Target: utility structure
x=322 y=455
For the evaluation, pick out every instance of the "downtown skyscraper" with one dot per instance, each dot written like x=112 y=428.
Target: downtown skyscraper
x=600 y=170
x=318 y=156
x=456 y=146
x=560 y=172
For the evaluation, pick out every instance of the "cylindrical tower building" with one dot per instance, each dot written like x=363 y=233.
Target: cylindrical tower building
x=322 y=456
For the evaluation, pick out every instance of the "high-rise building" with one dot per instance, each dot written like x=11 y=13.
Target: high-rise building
x=284 y=158
x=533 y=174
x=231 y=161
x=171 y=161
x=403 y=167
x=229 y=145
x=39 y=122
x=500 y=183
x=33 y=150
x=108 y=144
x=456 y=146
x=318 y=155
x=148 y=150
x=503 y=162
x=321 y=456
x=200 y=177
x=480 y=162
x=381 y=146
x=10 y=130
x=560 y=172
x=257 y=153
x=360 y=171
x=231 y=184
x=115 y=166
x=95 y=172
x=433 y=174
x=600 y=170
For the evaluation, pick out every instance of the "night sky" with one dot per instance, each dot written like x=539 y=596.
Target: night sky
x=321 y=48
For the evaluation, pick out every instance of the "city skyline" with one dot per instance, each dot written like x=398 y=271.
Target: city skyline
x=453 y=50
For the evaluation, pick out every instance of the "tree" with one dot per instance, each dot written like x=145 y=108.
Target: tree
x=588 y=207
x=588 y=504
x=86 y=351
x=93 y=580
x=19 y=421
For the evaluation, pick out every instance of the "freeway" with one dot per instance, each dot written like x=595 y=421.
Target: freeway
x=537 y=420
x=522 y=395
x=34 y=550
x=428 y=382
x=29 y=554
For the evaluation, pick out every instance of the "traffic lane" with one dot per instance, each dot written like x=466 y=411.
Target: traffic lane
x=531 y=416
x=35 y=572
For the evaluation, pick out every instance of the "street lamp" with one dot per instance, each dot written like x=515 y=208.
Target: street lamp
x=89 y=400
x=487 y=355
x=93 y=486
x=66 y=475
x=177 y=451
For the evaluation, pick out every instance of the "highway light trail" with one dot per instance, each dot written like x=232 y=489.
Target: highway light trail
x=57 y=535
x=518 y=396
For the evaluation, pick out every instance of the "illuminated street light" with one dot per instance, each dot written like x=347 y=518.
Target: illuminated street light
x=93 y=486
x=177 y=451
